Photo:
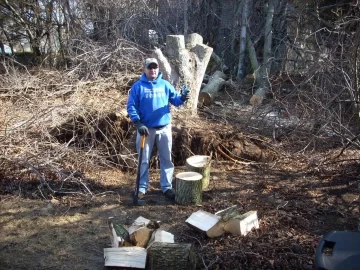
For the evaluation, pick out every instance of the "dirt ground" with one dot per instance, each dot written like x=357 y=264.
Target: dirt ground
x=295 y=208
x=298 y=199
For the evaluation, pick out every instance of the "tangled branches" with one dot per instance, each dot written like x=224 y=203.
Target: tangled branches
x=91 y=59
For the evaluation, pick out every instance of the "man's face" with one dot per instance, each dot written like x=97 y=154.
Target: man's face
x=152 y=71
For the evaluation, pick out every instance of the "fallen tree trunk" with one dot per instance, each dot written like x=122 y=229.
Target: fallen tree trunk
x=164 y=256
x=258 y=97
x=216 y=82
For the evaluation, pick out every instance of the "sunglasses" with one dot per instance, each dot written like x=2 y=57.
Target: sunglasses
x=152 y=67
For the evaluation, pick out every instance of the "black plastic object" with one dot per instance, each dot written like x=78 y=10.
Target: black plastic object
x=338 y=250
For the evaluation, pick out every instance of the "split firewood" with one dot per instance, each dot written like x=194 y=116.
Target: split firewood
x=228 y=220
x=160 y=236
x=141 y=237
x=243 y=224
x=204 y=221
x=138 y=223
x=134 y=257
x=119 y=234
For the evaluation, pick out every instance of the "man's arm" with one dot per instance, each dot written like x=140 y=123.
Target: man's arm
x=133 y=104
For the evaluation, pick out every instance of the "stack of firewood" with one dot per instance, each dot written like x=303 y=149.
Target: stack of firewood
x=131 y=246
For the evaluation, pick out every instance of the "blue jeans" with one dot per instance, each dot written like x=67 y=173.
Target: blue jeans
x=163 y=139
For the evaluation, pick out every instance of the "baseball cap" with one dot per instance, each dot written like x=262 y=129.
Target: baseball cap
x=150 y=61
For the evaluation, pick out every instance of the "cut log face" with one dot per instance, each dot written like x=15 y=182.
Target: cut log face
x=134 y=257
x=160 y=236
x=258 y=97
x=188 y=188
x=138 y=223
x=202 y=165
x=164 y=256
x=202 y=220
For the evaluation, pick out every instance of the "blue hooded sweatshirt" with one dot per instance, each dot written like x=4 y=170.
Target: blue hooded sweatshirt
x=149 y=101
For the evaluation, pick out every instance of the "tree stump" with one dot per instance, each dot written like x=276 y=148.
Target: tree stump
x=216 y=82
x=188 y=188
x=185 y=63
x=200 y=164
x=164 y=256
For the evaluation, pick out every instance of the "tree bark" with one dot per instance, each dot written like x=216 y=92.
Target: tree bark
x=253 y=58
x=188 y=188
x=216 y=82
x=164 y=256
x=262 y=77
x=202 y=165
x=244 y=16
x=186 y=21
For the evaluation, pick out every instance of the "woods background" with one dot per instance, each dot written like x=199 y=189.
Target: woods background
x=300 y=55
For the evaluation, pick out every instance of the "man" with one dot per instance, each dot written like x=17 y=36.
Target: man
x=149 y=109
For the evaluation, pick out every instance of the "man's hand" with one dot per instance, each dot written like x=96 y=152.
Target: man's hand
x=185 y=93
x=141 y=128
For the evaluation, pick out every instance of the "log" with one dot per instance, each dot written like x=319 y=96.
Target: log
x=202 y=165
x=219 y=62
x=209 y=92
x=164 y=256
x=188 y=188
x=258 y=97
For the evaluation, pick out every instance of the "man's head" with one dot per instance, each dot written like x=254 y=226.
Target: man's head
x=151 y=68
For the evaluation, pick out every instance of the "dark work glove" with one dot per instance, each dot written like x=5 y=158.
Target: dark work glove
x=185 y=93
x=141 y=128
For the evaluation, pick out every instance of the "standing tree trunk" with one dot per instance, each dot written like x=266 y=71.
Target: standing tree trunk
x=262 y=77
x=186 y=20
x=185 y=64
x=244 y=16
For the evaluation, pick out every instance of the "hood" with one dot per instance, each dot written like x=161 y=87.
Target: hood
x=144 y=79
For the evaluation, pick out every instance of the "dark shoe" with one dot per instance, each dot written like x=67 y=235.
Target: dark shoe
x=141 y=195
x=169 y=194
